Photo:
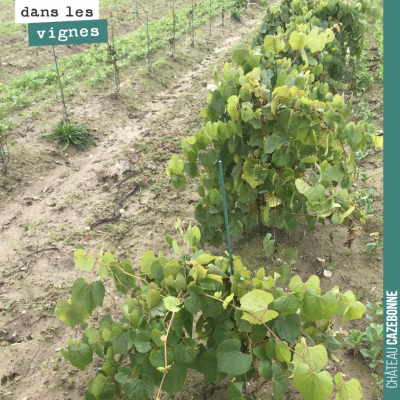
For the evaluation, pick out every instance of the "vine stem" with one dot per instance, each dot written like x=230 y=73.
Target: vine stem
x=322 y=141
x=165 y=355
x=298 y=53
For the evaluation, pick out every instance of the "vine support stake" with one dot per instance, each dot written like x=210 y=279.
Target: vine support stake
x=59 y=80
x=221 y=177
x=116 y=7
x=115 y=64
x=192 y=24
x=173 y=13
x=148 y=34
x=136 y=11
x=210 y=15
x=276 y=70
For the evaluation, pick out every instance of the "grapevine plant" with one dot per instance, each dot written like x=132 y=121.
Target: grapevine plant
x=346 y=18
x=281 y=135
x=197 y=311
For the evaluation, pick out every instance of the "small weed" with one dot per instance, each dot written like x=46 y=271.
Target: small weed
x=70 y=133
x=371 y=248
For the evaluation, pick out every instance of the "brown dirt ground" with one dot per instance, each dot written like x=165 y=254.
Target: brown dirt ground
x=50 y=197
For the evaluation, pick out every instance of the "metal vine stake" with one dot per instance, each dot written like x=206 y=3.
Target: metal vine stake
x=59 y=80
x=112 y=59
x=173 y=14
x=148 y=60
x=210 y=15
x=192 y=24
x=4 y=156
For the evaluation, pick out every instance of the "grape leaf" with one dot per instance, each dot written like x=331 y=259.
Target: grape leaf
x=316 y=356
x=88 y=296
x=80 y=358
x=288 y=327
x=140 y=390
x=311 y=385
x=208 y=367
x=350 y=390
x=83 y=261
x=279 y=383
x=282 y=352
x=171 y=303
x=70 y=313
x=256 y=303
x=235 y=391
x=175 y=165
x=319 y=307
x=230 y=360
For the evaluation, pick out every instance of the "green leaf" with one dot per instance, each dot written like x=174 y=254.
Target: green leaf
x=175 y=165
x=298 y=40
x=88 y=296
x=287 y=304
x=279 y=383
x=186 y=351
x=256 y=302
x=316 y=42
x=334 y=173
x=99 y=384
x=319 y=307
x=140 y=390
x=315 y=193
x=122 y=339
x=193 y=237
x=175 y=379
x=239 y=54
x=269 y=245
x=106 y=260
x=145 y=262
x=273 y=142
x=172 y=303
x=350 y=307
x=110 y=366
x=217 y=103
x=282 y=352
x=253 y=172
x=208 y=367
x=235 y=391
x=142 y=341
x=350 y=390
x=70 y=313
x=153 y=298
x=80 y=358
x=107 y=394
x=354 y=135
x=83 y=261
x=157 y=357
x=265 y=367
x=316 y=356
x=312 y=386
x=288 y=327
x=230 y=360
x=179 y=181
x=123 y=276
